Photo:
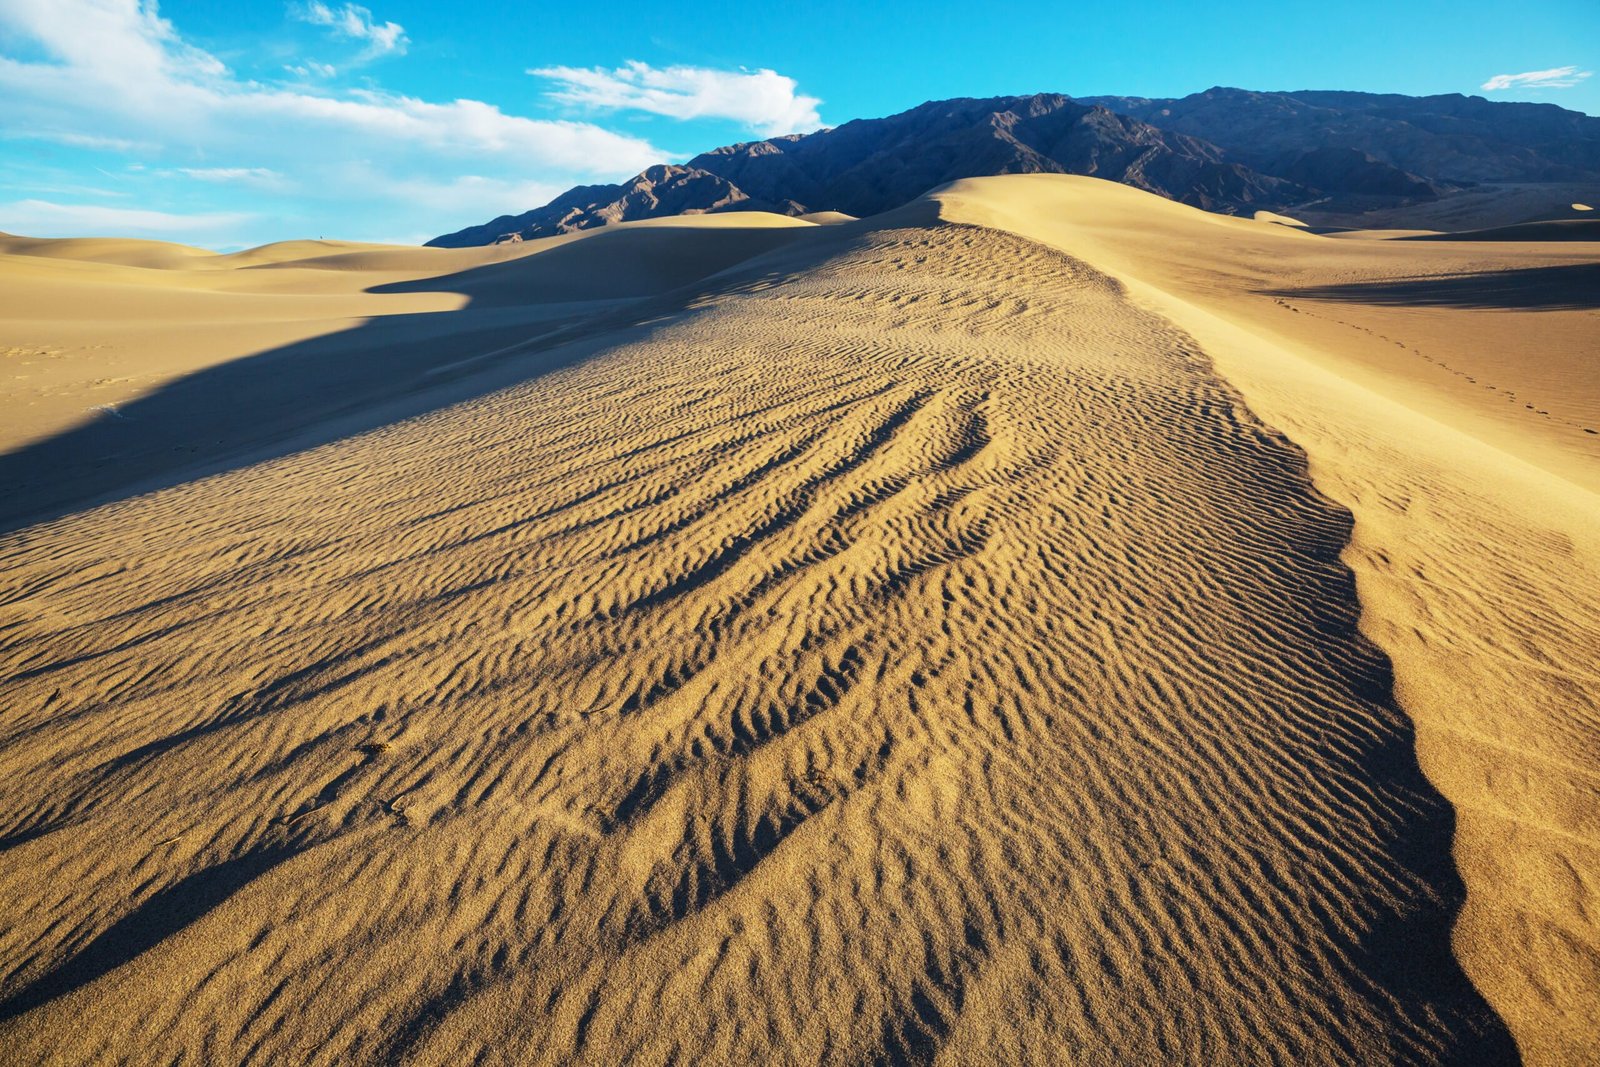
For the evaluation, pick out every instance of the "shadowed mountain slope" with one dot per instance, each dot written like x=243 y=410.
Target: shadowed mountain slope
x=1450 y=137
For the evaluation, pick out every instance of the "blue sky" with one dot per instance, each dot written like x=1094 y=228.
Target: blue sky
x=231 y=124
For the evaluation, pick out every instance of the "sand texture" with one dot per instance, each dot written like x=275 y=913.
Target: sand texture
x=1042 y=624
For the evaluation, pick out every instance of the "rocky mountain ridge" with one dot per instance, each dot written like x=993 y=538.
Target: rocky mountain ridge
x=1227 y=150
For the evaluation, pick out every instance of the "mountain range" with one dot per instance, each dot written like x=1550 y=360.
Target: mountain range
x=1227 y=150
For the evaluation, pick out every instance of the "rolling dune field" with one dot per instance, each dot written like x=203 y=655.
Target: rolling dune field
x=1041 y=624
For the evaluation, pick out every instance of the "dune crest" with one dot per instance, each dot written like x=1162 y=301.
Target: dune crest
x=1479 y=570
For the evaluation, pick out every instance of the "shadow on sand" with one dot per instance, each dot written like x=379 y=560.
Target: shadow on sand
x=161 y=916
x=1570 y=287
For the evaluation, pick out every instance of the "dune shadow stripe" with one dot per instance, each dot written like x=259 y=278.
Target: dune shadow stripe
x=163 y=915
x=1571 y=287
x=1406 y=953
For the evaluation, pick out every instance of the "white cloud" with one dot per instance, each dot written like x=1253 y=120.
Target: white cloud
x=123 y=37
x=45 y=218
x=114 y=77
x=1555 y=78
x=356 y=23
x=118 y=76
x=763 y=100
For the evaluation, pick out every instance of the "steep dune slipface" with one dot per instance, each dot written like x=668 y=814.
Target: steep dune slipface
x=1477 y=533
x=911 y=650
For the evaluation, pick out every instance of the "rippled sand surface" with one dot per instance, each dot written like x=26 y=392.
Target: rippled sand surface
x=905 y=641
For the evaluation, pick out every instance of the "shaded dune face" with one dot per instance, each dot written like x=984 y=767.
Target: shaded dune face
x=914 y=651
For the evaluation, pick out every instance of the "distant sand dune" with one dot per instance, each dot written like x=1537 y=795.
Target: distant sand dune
x=894 y=643
x=1273 y=216
x=828 y=218
x=151 y=255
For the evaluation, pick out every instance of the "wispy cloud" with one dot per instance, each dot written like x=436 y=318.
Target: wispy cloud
x=74 y=138
x=1555 y=78
x=253 y=177
x=763 y=100
x=87 y=220
x=211 y=147
x=312 y=69
x=356 y=23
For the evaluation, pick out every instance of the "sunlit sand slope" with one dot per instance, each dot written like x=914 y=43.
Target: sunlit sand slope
x=911 y=650
x=1452 y=411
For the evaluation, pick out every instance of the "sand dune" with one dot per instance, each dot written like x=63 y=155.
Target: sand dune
x=1273 y=216
x=152 y=255
x=911 y=641
x=1479 y=571
x=828 y=218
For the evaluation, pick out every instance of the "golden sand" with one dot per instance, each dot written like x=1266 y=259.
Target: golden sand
x=1041 y=624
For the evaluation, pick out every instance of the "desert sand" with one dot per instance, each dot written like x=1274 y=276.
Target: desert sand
x=1041 y=624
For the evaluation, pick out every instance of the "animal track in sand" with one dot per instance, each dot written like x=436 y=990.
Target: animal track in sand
x=1509 y=395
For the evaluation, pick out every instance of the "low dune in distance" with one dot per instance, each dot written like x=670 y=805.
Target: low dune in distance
x=828 y=218
x=1273 y=216
x=1043 y=623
